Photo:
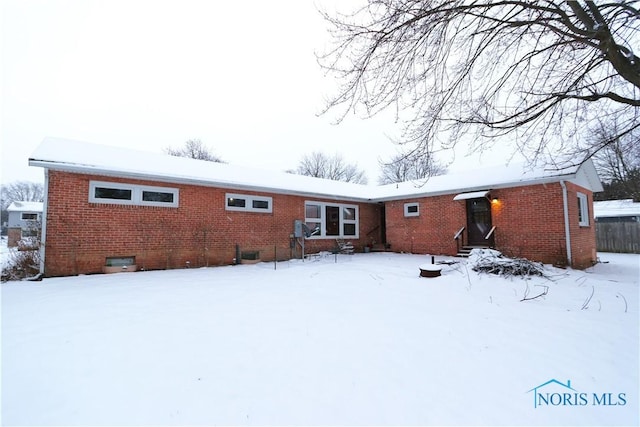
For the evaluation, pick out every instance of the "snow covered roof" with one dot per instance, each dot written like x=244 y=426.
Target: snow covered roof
x=83 y=157
x=25 y=206
x=613 y=208
x=483 y=179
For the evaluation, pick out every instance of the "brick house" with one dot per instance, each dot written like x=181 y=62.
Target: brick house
x=108 y=206
x=23 y=221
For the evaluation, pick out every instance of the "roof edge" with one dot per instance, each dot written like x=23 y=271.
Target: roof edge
x=87 y=170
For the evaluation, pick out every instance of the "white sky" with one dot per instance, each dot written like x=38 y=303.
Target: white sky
x=148 y=74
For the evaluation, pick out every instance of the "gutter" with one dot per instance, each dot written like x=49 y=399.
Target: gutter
x=194 y=181
x=567 y=233
x=43 y=225
x=373 y=196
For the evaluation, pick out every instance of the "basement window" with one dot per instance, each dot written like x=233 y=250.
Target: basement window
x=132 y=194
x=120 y=261
x=411 y=209
x=248 y=203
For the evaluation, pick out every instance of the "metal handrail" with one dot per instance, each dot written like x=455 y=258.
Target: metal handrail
x=490 y=233
x=457 y=238
x=459 y=233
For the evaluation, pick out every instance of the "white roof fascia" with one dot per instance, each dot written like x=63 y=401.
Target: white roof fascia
x=90 y=170
x=538 y=181
x=93 y=159
x=403 y=195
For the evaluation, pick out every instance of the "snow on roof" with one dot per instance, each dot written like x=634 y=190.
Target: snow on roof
x=612 y=208
x=20 y=206
x=77 y=156
x=494 y=177
x=83 y=157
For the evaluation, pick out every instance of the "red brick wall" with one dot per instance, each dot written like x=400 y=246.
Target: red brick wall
x=432 y=232
x=81 y=235
x=583 y=238
x=529 y=223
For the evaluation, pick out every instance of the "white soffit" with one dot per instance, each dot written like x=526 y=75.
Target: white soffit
x=473 y=195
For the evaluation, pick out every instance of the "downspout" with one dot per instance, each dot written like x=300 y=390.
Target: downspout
x=567 y=233
x=43 y=228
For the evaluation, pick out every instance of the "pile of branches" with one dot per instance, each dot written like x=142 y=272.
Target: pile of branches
x=493 y=262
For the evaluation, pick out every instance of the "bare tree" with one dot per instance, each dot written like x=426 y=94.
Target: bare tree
x=194 y=149
x=618 y=163
x=334 y=167
x=25 y=191
x=411 y=166
x=540 y=72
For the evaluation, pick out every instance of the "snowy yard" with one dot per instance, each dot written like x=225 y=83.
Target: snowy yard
x=361 y=341
x=4 y=250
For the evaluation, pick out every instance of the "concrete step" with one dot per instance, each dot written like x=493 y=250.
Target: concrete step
x=466 y=250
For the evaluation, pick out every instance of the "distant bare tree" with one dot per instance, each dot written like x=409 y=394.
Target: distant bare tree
x=618 y=163
x=25 y=191
x=541 y=72
x=334 y=167
x=411 y=166
x=194 y=149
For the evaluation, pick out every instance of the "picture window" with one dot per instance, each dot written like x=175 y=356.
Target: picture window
x=331 y=220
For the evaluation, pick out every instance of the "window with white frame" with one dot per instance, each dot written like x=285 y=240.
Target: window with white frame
x=132 y=194
x=250 y=203
x=332 y=219
x=583 y=210
x=29 y=216
x=411 y=209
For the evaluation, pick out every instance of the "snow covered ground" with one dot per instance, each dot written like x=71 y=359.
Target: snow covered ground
x=4 y=250
x=361 y=341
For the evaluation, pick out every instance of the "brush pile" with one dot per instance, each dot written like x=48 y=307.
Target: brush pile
x=493 y=262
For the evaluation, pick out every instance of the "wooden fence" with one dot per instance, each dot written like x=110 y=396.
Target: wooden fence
x=618 y=237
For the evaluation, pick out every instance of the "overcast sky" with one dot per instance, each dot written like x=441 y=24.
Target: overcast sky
x=147 y=74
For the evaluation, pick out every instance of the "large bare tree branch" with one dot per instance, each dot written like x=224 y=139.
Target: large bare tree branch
x=537 y=70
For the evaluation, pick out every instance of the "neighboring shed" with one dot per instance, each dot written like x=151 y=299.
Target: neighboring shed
x=24 y=221
x=617 y=226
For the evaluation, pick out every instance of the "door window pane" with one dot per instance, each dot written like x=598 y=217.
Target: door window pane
x=333 y=220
